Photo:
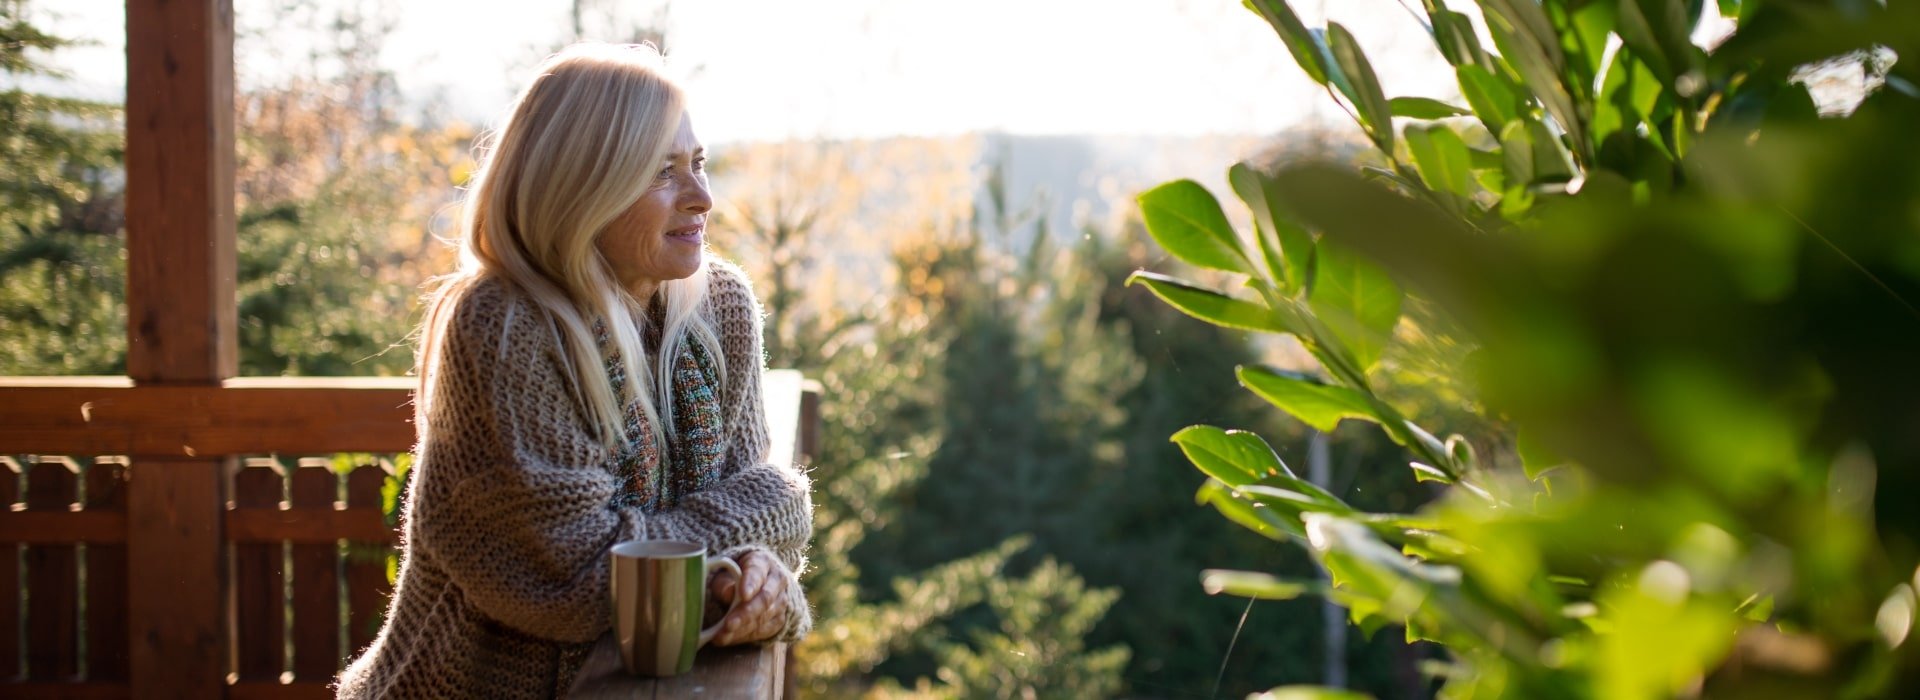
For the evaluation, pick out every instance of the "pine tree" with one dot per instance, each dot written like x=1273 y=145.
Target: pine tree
x=61 y=274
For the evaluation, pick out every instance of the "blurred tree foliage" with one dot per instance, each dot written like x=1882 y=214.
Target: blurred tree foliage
x=1689 y=283
x=335 y=196
x=61 y=267
x=1002 y=403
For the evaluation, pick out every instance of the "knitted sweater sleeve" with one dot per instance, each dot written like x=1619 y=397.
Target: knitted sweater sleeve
x=514 y=498
x=736 y=317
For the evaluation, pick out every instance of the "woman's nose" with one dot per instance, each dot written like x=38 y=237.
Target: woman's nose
x=695 y=198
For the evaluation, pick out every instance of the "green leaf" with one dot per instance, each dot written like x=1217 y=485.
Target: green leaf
x=1423 y=108
x=1729 y=8
x=1319 y=405
x=1660 y=34
x=1453 y=34
x=1184 y=218
x=1253 y=584
x=1247 y=514
x=1493 y=101
x=1285 y=247
x=1206 y=304
x=1442 y=158
x=1308 y=692
x=1356 y=300
x=1364 y=87
x=1237 y=458
x=1427 y=472
x=1299 y=42
x=1526 y=38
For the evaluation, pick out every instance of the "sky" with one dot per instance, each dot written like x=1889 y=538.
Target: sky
x=777 y=69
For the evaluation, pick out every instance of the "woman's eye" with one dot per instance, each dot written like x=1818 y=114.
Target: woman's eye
x=699 y=165
x=666 y=173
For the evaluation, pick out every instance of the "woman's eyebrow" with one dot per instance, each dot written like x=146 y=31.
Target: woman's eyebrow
x=682 y=155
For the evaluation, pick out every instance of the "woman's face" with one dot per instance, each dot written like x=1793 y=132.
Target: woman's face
x=661 y=236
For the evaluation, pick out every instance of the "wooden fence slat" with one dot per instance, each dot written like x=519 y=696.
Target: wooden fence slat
x=367 y=587
x=316 y=582
x=9 y=578
x=107 y=579
x=259 y=647
x=53 y=579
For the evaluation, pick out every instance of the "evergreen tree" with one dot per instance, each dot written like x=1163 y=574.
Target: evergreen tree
x=61 y=274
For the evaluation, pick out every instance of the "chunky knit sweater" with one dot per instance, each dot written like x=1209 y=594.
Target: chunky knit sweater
x=513 y=505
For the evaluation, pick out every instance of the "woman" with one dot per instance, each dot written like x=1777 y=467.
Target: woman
x=589 y=376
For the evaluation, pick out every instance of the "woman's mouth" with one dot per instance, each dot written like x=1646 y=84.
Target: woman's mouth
x=687 y=234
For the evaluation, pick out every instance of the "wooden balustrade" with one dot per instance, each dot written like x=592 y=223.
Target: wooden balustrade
x=306 y=541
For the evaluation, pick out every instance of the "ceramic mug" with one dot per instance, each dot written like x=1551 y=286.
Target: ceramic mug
x=659 y=593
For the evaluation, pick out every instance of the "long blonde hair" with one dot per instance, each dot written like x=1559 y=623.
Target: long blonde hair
x=579 y=146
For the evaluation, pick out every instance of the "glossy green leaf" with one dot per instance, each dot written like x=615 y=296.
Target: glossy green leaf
x=1453 y=34
x=1356 y=300
x=1423 y=108
x=1285 y=247
x=1185 y=219
x=1319 y=405
x=1729 y=8
x=1206 y=304
x=1253 y=584
x=1442 y=158
x=1364 y=87
x=1237 y=458
x=1247 y=514
x=1294 y=34
x=1526 y=38
x=1496 y=104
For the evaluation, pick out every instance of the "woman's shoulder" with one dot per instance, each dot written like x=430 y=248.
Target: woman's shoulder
x=730 y=295
x=488 y=308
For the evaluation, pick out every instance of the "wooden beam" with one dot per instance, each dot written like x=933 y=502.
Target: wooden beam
x=181 y=311
x=239 y=416
x=178 y=612
x=54 y=527
x=181 y=317
x=308 y=526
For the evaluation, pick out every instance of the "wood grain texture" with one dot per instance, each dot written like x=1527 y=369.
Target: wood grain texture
x=107 y=577
x=180 y=221
x=308 y=526
x=367 y=587
x=316 y=581
x=53 y=579
x=237 y=417
x=259 y=646
x=62 y=527
x=179 y=637
x=752 y=671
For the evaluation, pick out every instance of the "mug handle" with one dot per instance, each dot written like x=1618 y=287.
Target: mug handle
x=706 y=635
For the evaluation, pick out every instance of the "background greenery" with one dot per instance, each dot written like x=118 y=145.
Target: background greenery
x=1688 y=286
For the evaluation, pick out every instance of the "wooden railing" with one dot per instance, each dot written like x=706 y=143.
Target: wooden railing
x=309 y=540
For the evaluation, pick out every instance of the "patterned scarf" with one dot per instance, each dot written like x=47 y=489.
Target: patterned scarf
x=694 y=446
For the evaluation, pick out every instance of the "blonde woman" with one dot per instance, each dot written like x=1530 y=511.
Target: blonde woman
x=590 y=375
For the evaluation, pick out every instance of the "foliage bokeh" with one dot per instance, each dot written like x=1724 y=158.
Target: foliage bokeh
x=1689 y=291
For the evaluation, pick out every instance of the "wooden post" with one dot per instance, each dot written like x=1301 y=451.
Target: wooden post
x=181 y=316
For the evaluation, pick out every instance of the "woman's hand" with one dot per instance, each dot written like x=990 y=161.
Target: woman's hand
x=763 y=614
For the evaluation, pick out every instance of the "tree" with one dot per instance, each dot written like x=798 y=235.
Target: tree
x=60 y=200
